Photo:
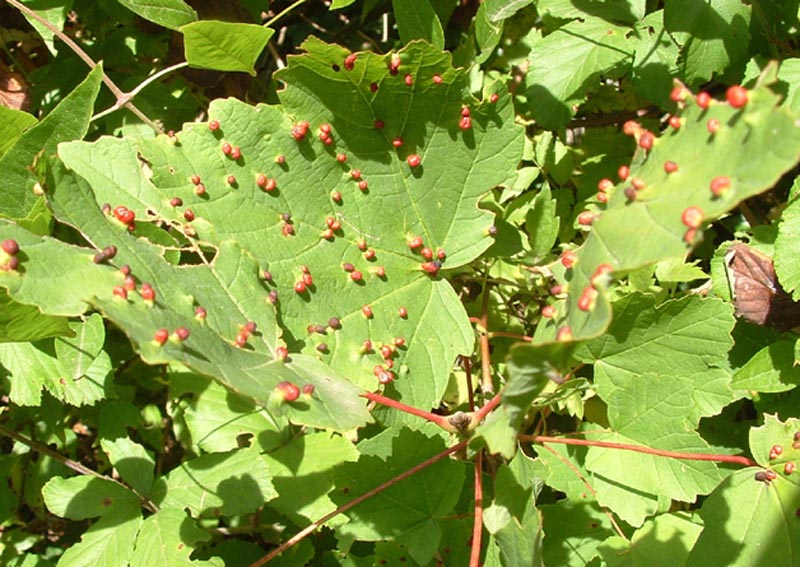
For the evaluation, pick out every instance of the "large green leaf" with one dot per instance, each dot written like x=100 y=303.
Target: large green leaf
x=436 y=201
x=169 y=538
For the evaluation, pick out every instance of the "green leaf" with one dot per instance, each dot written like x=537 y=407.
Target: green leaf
x=436 y=201
x=748 y=523
x=628 y=235
x=219 y=419
x=572 y=532
x=787 y=264
x=172 y=14
x=512 y=518
x=542 y=223
x=15 y=122
x=713 y=35
x=223 y=46
x=168 y=538
x=487 y=33
x=19 y=323
x=674 y=532
x=416 y=19
x=498 y=10
x=54 y=12
x=231 y=483
x=133 y=463
x=775 y=433
x=68 y=121
x=693 y=338
x=772 y=369
x=109 y=541
x=302 y=473
x=410 y=511
x=627 y=11
x=74 y=369
x=82 y=497
x=655 y=61
x=566 y=65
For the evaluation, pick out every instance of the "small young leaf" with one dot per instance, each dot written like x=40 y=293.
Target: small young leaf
x=224 y=46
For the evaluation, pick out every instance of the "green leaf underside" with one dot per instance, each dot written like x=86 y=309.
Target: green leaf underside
x=436 y=201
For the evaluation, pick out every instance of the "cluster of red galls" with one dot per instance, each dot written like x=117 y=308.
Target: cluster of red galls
x=10 y=247
x=431 y=265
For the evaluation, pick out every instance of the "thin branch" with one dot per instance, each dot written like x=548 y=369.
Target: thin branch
x=299 y=536
x=590 y=488
x=484 y=411
x=439 y=420
x=116 y=91
x=487 y=386
x=127 y=97
x=736 y=459
x=525 y=338
x=69 y=463
x=477 y=524
x=282 y=13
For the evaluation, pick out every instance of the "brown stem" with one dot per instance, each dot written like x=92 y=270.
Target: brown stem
x=468 y=371
x=736 y=459
x=487 y=387
x=477 y=525
x=299 y=536
x=116 y=91
x=69 y=463
x=525 y=338
x=439 y=420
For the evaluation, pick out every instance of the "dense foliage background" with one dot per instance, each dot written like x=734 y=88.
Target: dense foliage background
x=421 y=282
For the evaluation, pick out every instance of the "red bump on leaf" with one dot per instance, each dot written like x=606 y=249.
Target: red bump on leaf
x=213 y=125
x=638 y=183
x=281 y=353
x=350 y=61
x=737 y=96
x=692 y=217
x=465 y=123
x=646 y=140
x=678 y=94
x=369 y=254
x=414 y=160
x=362 y=245
x=226 y=148
x=182 y=333
x=379 y=124
x=341 y=158
x=348 y=267
x=586 y=218
x=195 y=179
x=432 y=267
x=280 y=159
x=604 y=185
x=300 y=286
x=587 y=299
x=308 y=389
x=336 y=196
x=366 y=347
x=568 y=258
x=373 y=87
x=10 y=246
x=415 y=243
x=176 y=202
x=631 y=128
x=675 y=122
x=160 y=337
x=188 y=214
x=367 y=311
x=670 y=167
x=564 y=334
x=200 y=313
x=437 y=79
x=703 y=99
x=120 y=292
x=355 y=173
x=409 y=80
x=231 y=180
x=426 y=253
x=288 y=390
x=548 y=311
x=397 y=142
x=712 y=125
x=623 y=172
x=720 y=185
x=308 y=279
x=630 y=193
x=147 y=292
x=356 y=276
x=399 y=341
x=200 y=189
x=363 y=185
x=494 y=98
x=402 y=312
x=788 y=468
